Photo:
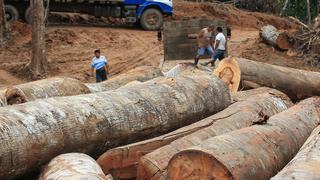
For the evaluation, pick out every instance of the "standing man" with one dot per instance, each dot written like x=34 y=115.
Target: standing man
x=204 y=43
x=100 y=65
x=219 y=47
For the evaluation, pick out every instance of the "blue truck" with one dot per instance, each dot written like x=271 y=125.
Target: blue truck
x=148 y=13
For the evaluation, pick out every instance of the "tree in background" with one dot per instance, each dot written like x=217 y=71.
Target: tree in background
x=3 y=25
x=38 y=64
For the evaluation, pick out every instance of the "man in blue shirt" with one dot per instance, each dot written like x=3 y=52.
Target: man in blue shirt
x=100 y=65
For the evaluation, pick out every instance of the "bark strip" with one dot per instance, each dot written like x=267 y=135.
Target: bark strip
x=34 y=132
x=258 y=151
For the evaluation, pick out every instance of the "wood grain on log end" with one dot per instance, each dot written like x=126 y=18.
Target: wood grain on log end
x=229 y=72
x=198 y=165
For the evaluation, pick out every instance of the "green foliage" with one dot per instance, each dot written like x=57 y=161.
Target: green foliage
x=298 y=8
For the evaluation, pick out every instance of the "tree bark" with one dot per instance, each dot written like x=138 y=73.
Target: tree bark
x=277 y=39
x=3 y=24
x=308 y=12
x=38 y=64
x=257 y=151
x=285 y=6
x=297 y=84
x=122 y=162
x=64 y=86
x=305 y=165
x=32 y=133
x=142 y=73
x=72 y=166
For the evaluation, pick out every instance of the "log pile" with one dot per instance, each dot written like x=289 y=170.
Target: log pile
x=257 y=151
x=272 y=36
x=122 y=162
x=34 y=132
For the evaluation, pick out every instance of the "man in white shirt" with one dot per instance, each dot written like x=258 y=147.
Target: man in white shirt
x=100 y=65
x=219 y=47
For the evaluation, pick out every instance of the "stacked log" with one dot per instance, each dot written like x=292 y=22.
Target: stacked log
x=34 y=132
x=58 y=86
x=121 y=162
x=142 y=73
x=72 y=166
x=254 y=110
x=305 y=165
x=257 y=151
x=297 y=84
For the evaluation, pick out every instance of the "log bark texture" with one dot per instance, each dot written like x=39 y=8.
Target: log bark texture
x=142 y=73
x=306 y=164
x=58 y=86
x=277 y=39
x=122 y=161
x=239 y=115
x=258 y=151
x=34 y=132
x=3 y=24
x=72 y=166
x=297 y=84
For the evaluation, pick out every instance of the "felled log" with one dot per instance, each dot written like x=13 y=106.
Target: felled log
x=122 y=161
x=297 y=84
x=277 y=39
x=258 y=151
x=57 y=86
x=229 y=72
x=305 y=165
x=34 y=132
x=72 y=166
x=141 y=73
x=253 y=110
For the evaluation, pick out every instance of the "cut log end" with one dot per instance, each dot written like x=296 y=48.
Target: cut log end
x=147 y=170
x=229 y=72
x=196 y=164
x=13 y=95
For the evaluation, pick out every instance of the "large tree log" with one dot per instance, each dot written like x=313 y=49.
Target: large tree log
x=258 y=151
x=58 y=86
x=272 y=36
x=122 y=161
x=305 y=165
x=63 y=86
x=34 y=132
x=142 y=73
x=239 y=115
x=72 y=166
x=297 y=84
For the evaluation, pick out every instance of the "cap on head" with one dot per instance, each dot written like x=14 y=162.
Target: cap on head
x=219 y=29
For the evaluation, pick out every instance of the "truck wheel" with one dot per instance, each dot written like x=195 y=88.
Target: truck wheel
x=28 y=15
x=151 y=19
x=12 y=13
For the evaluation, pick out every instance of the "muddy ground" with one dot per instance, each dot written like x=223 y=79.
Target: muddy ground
x=70 y=48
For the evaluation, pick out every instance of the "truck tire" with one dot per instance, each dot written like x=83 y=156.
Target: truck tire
x=151 y=19
x=12 y=13
x=28 y=15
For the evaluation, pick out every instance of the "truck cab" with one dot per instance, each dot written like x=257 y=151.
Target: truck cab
x=149 y=13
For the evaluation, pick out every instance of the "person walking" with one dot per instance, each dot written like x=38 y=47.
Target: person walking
x=100 y=65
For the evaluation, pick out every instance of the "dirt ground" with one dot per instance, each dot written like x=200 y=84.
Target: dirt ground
x=70 y=48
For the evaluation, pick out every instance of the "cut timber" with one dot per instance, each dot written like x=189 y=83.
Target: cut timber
x=58 y=86
x=306 y=164
x=272 y=36
x=297 y=84
x=122 y=161
x=259 y=151
x=34 y=132
x=72 y=166
x=242 y=114
x=142 y=73
x=178 y=69
x=229 y=72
